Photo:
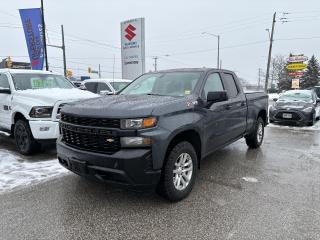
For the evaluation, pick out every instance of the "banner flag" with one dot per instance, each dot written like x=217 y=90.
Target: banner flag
x=32 y=25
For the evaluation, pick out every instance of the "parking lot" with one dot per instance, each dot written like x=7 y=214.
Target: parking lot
x=268 y=193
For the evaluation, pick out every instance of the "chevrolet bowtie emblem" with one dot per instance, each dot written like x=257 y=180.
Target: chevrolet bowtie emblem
x=109 y=140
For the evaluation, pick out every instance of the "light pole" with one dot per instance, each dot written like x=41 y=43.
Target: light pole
x=218 y=37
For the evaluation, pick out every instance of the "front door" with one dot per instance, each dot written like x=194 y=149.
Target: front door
x=5 y=102
x=216 y=123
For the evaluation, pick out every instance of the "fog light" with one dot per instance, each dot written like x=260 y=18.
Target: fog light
x=44 y=129
x=135 y=142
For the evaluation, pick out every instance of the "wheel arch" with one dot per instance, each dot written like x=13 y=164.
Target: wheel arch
x=189 y=135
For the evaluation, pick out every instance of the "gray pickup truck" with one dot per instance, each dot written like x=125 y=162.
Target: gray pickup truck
x=154 y=133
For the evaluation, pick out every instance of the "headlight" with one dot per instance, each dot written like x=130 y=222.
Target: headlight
x=41 y=112
x=308 y=109
x=138 y=123
x=135 y=142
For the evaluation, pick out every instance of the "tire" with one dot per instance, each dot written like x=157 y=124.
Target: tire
x=174 y=184
x=24 y=139
x=255 y=139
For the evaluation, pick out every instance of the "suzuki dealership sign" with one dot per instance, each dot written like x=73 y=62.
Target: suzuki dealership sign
x=132 y=48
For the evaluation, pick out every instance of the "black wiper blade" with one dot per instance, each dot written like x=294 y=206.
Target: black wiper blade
x=154 y=94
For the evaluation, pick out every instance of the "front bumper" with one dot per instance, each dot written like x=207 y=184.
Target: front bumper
x=42 y=130
x=297 y=116
x=131 y=168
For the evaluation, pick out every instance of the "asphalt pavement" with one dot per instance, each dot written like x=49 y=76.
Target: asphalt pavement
x=268 y=193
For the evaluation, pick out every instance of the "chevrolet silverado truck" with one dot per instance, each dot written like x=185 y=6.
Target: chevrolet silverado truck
x=30 y=103
x=155 y=132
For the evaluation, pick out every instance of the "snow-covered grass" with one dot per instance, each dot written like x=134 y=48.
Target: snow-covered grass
x=15 y=171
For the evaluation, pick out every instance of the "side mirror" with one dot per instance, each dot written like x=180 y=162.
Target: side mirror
x=275 y=99
x=220 y=96
x=106 y=92
x=5 y=90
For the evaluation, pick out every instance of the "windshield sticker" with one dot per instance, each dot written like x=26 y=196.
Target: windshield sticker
x=42 y=83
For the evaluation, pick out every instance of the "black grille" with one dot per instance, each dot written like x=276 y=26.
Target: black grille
x=295 y=116
x=91 y=142
x=92 y=122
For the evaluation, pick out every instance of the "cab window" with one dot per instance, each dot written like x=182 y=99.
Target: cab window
x=4 y=83
x=213 y=84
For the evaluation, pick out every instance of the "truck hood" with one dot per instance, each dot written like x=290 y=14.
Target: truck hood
x=124 y=106
x=48 y=97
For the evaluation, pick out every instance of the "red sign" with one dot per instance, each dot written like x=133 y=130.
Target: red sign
x=130 y=32
x=294 y=74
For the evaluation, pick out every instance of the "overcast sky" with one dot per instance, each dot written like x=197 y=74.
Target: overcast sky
x=172 y=28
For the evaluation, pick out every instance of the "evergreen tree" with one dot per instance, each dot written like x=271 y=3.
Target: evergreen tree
x=284 y=80
x=311 y=76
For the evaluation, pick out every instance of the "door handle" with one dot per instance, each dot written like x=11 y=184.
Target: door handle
x=243 y=104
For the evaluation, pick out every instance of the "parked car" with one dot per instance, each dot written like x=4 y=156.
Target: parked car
x=105 y=86
x=30 y=105
x=317 y=91
x=296 y=106
x=156 y=131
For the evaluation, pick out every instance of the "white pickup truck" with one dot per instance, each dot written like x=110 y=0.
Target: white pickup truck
x=30 y=103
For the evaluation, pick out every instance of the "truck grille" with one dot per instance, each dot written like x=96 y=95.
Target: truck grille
x=92 y=122
x=88 y=134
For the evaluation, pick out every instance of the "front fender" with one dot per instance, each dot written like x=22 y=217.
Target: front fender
x=170 y=126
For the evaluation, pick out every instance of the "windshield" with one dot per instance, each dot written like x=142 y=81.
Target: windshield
x=117 y=86
x=168 y=84
x=24 y=81
x=297 y=96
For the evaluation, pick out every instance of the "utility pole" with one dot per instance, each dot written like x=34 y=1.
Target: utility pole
x=218 y=58
x=64 y=52
x=114 y=63
x=99 y=71
x=44 y=37
x=259 y=80
x=270 y=52
x=155 y=63
x=63 y=47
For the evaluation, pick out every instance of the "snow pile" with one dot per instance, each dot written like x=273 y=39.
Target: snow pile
x=16 y=172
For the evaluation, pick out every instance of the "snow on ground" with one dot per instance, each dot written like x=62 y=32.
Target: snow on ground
x=18 y=172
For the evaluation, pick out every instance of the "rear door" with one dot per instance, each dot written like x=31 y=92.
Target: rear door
x=237 y=106
x=5 y=102
x=216 y=123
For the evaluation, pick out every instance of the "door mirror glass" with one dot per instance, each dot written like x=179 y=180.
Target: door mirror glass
x=220 y=96
x=5 y=90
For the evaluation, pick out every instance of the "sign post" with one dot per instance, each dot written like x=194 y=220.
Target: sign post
x=133 y=48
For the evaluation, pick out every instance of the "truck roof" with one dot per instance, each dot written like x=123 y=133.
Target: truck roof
x=191 y=70
x=10 y=70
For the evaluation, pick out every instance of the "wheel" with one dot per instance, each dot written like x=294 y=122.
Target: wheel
x=179 y=172
x=255 y=139
x=24 y=139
